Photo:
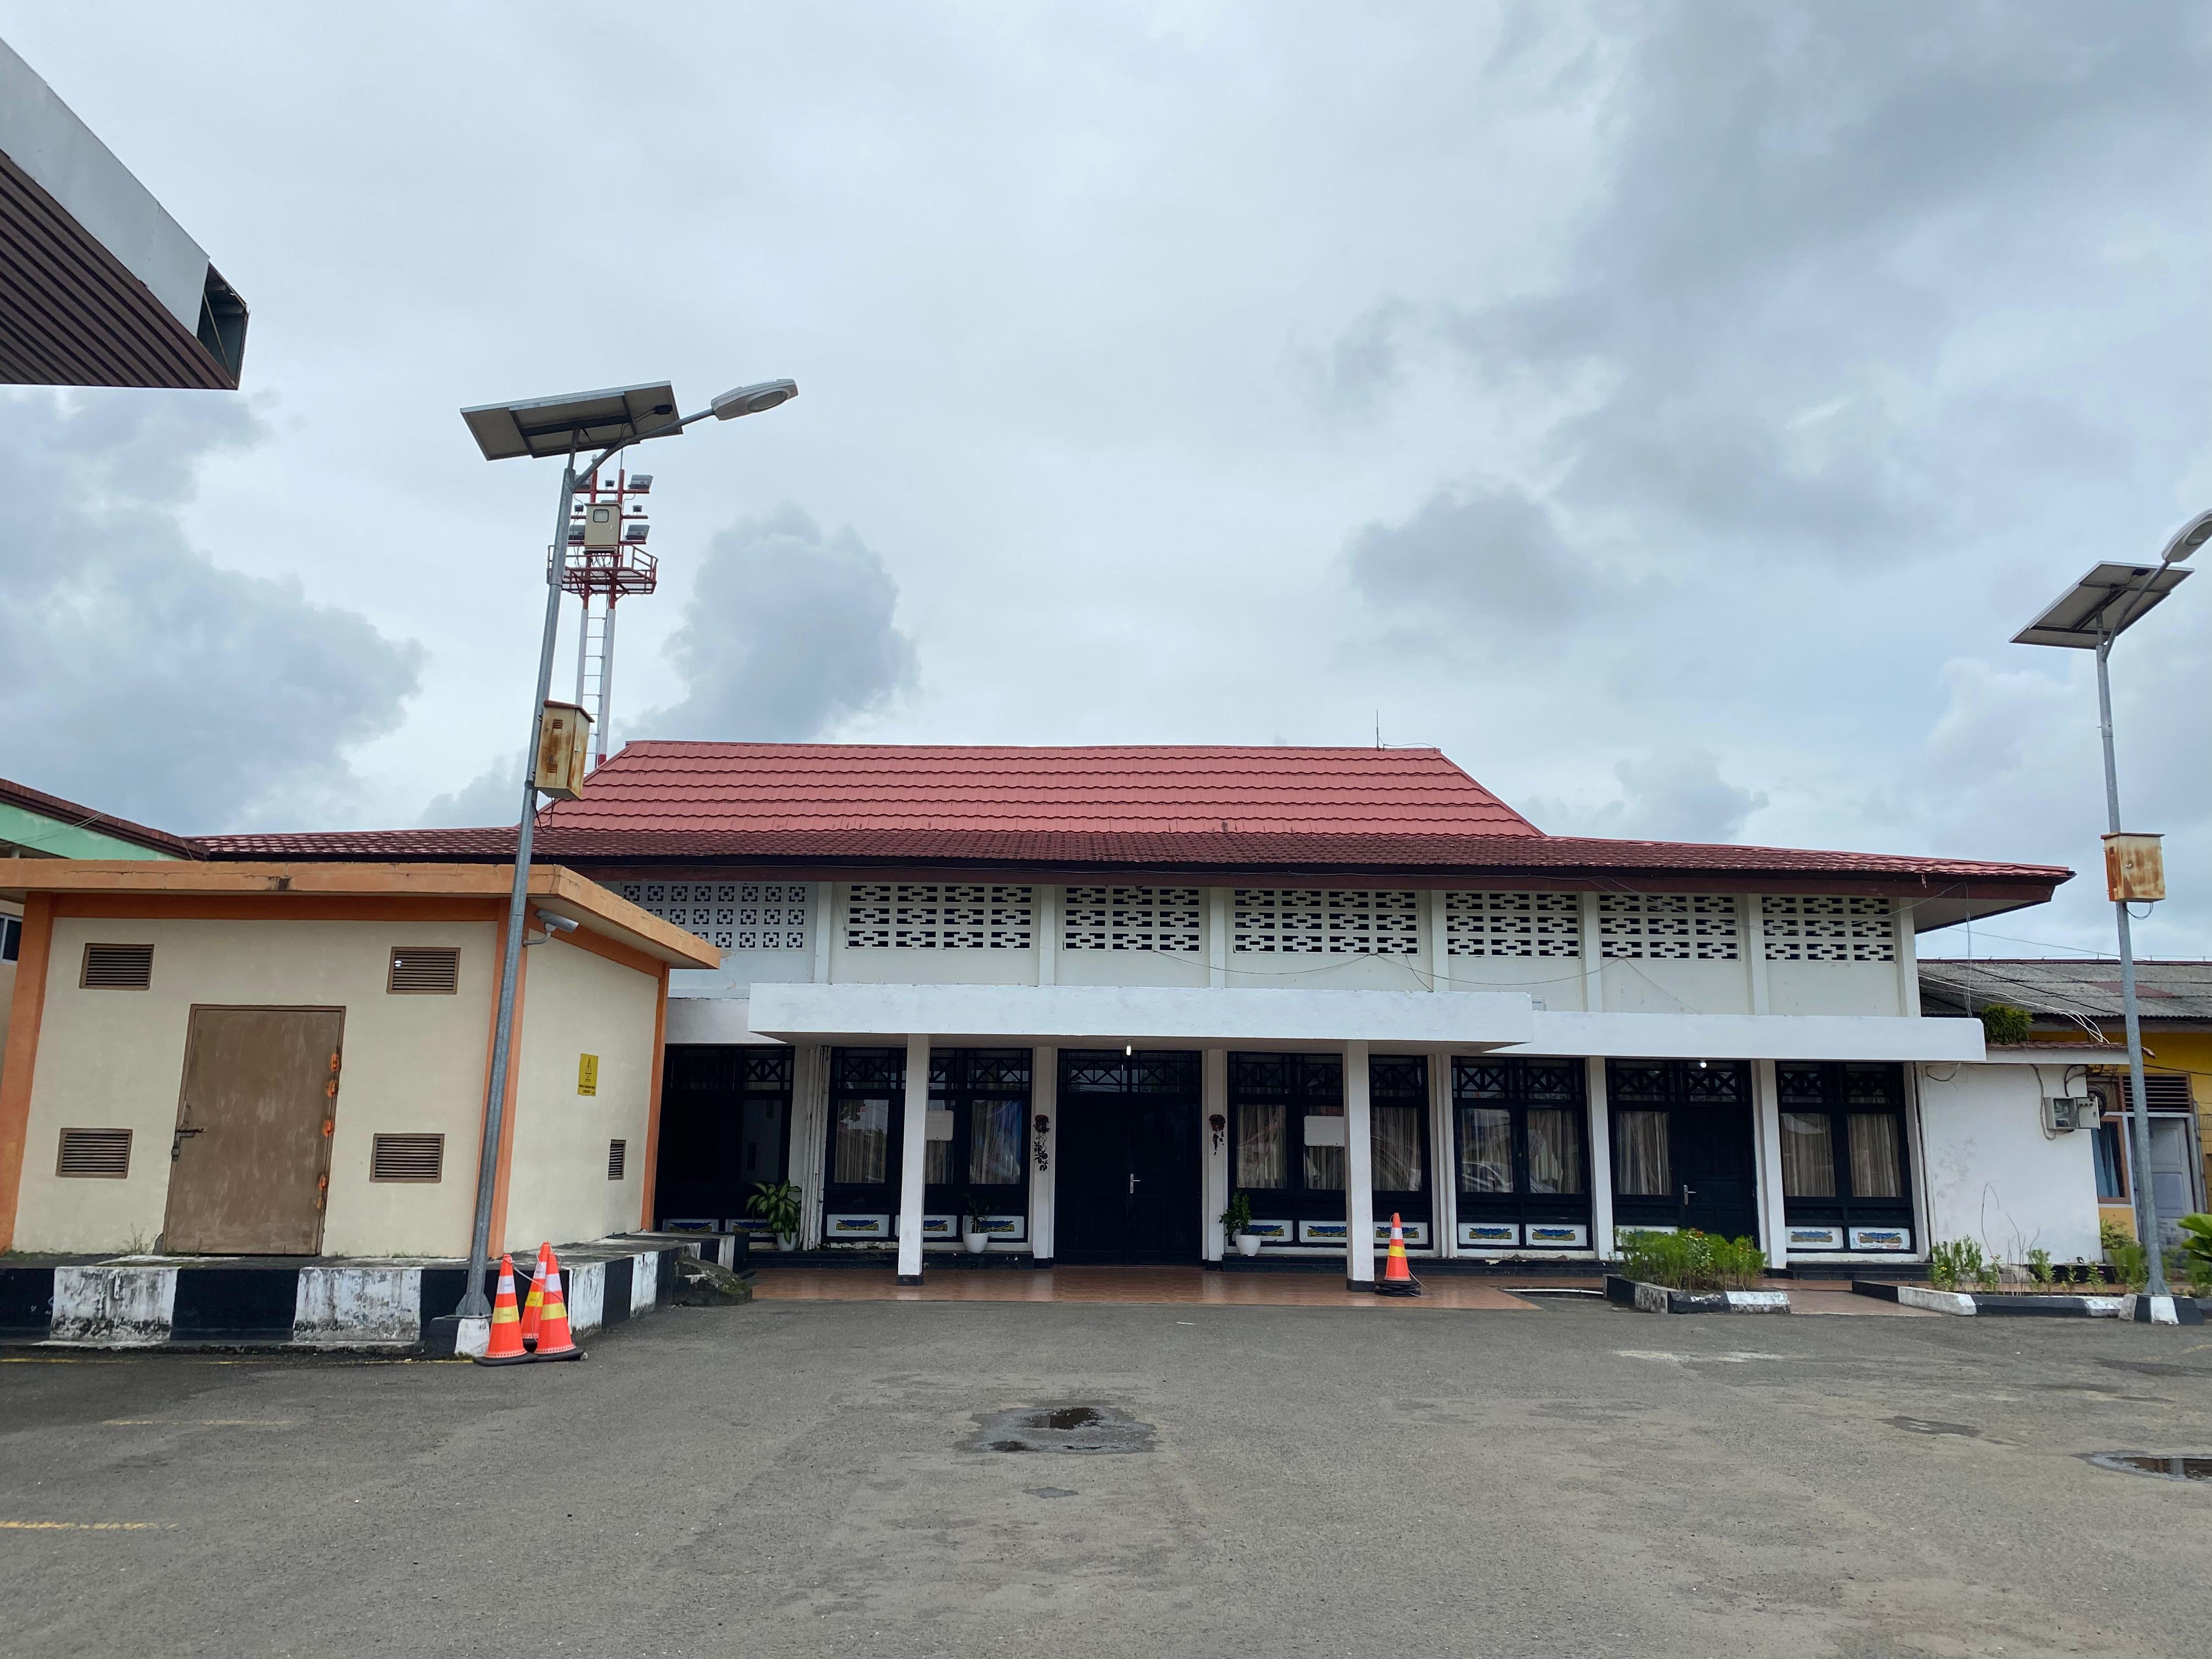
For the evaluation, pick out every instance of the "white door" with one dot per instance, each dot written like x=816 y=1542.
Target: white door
x=2174 y=1154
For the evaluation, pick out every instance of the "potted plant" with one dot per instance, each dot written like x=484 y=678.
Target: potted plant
x=976 y=1220
x=1236 y=1222
x=776 y=1203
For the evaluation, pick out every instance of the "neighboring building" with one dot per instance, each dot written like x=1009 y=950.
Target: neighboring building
x=2075 y=1006
x=101 y=286
x=1096 y=991
x=274 y=1060
x=36 y=825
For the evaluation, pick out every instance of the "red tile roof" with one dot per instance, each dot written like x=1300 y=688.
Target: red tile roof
x=727 y=787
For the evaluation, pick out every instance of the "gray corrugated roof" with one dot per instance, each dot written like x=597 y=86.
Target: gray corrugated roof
x=2165 y=990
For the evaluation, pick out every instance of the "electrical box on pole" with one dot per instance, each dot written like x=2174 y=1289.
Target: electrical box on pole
x=564 y=743
x=2134 y=868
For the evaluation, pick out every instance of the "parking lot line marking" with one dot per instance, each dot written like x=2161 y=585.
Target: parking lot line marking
x=87 y=1526
x=199 y=1422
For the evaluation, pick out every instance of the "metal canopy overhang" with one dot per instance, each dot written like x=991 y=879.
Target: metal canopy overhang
x=2101 y=603
x=543 y=427
x=99 y=286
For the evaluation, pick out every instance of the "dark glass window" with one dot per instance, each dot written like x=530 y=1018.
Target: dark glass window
x=1288 y=1112
x=11 y=937
x=2112 y=1166
x=1844 y=1154
x=1523 y=1128
x=725 y=1128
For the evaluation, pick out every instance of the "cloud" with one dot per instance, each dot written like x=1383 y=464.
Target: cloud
x=493 y=797
x=1676 y=795
x=137 y=675
x=787 y=633
x=1478 y=557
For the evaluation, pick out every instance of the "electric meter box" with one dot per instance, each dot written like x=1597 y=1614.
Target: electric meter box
x=2134 y=868
x=2064 y=1114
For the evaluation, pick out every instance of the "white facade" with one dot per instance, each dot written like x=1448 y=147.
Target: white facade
x=1775 y=988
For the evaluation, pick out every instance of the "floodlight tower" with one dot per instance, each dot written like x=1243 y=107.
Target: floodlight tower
x=606 y=560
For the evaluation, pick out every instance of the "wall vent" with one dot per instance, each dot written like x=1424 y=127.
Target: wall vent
x=118 y=967
x=617 y=1155
x=407 y=1157
x=1828 y=929
x=730 y=915
x=94 y=1154
x=1667 y=927
x=927 y=916
x=1513 y=923
x=1130 y=919
x=424 y=970
x=1300 y=921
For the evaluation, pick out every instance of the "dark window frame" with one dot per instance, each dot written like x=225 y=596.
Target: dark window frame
x=1518 y=1086
x=1842 y=1088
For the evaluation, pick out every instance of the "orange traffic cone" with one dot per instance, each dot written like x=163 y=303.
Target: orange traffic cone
x=505 y=1347
x=554 y=1341
x=534 y=1305
x=1397 y=1276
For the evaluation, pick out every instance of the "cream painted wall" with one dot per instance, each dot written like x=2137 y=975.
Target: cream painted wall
x=1328 y=973
x=577 y=1003
x=1677 y=987
x=1994 y=1174
x=1832 y=988
x=115 y=1059
x=890 y=965
x=1554 y=982
x=1129 y=968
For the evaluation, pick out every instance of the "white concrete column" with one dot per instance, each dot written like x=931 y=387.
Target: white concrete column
x=1044 y=1102
x=1766 y=1120
x=1217 y=936
x=1753 y=910
x=825 y=920
x=1908 y=962
x=1359 y=1170
x=1601 y=1169
x=1436 y=904
x=1047 y=934
x=1593 y=958
x=911 y=1161
x=1212 y=1102
x=1443 y=1196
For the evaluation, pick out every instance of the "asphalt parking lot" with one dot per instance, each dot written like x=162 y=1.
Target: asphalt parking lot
x=793 y=1479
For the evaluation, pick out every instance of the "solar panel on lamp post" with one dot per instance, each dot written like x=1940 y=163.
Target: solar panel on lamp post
x=610 y=420
x=2098 y=610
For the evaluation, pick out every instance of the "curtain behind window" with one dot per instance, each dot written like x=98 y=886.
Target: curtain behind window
x=1555 y=1151
x=2109 y=1184
x=1485 y=1149
x=862 y=1137
x=1808 y=1155
x=1397 y=1132
x=1324 y=1165
x=995 y=1143
x=1877 y=1169
x=1259 y=1161
x=1640 y=1158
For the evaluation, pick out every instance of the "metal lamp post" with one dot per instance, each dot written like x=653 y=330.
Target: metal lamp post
x=610 y=420
x=2097 y=611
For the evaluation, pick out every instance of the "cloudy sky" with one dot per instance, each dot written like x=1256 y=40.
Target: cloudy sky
x=1669 y=411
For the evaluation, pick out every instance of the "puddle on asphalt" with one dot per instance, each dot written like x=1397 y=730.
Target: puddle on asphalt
x=1082 y=1429
x=1928 y=1425
x=1050 y=1492
x=2150 y=1463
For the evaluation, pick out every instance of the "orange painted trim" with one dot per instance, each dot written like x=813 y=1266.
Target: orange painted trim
x=615 y=952
x=653 y=1103
x=25 y=1011
x=503 y=1167
x=277 y=907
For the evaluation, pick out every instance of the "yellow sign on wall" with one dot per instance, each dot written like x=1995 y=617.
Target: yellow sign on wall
x=588 y=1074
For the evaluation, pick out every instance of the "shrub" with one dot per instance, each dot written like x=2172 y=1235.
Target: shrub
x=2003 y=1023
x=1955 y=1262
x=2038 y=1266
x=1692 y=1260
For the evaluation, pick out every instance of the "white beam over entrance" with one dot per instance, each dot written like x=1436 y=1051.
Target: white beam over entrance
x=912 y=1143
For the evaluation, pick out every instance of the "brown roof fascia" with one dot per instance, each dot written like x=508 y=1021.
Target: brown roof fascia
x=564 y=891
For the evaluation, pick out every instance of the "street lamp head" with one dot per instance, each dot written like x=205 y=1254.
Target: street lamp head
x=753 y=400
x=2187 y=539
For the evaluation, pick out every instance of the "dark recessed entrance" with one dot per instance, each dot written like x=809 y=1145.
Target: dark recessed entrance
x=1126 y=1184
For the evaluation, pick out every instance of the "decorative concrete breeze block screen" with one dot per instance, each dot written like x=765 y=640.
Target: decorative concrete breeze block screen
x=1667 y=927
x=1295 y=921
x=730 y=915
x=928 y=917
x=1828 y=930
x=1513 y=923
x=1130 y=919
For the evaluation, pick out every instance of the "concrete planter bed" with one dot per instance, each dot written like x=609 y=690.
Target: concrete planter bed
x=2143 y=1310
x=1658 y=1299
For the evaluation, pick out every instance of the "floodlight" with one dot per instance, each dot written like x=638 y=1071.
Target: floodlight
x=2187 y=539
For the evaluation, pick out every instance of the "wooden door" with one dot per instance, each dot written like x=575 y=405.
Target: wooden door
x=251 y=1150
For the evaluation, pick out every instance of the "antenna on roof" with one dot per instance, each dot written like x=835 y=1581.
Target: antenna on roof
x=1378 y=728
